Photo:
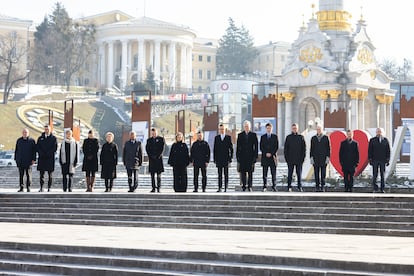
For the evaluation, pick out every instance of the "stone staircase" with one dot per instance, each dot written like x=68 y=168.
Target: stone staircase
x=39 y=259
x=326 y=213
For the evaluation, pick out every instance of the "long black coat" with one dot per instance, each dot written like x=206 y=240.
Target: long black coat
x=25 y=152
x=246 y=150
x=269 y=146
x=90 y=150
x=155 y=149
x=46 y=149
x=132 y=155
x=349 y=154
x=319 y=150
x=379 y=151
x=222 y=151
x=200 y=153
x=109 y=160
x=179 y=155
x=295 y=149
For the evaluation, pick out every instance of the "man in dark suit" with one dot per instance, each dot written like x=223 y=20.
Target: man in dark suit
x=320 y=153
x=246 y=154
x=269 y=144
x=295 y=151
x=222 y=155
x=379 y=156
x=25 y=157
x=200 y=157
x=132 y=159
x=46 y=149
x=349 y=159
x=155 y=148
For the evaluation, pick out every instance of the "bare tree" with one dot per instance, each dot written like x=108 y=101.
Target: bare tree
x=13 y=55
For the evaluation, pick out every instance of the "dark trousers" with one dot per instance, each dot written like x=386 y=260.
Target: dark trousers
x=132 y=176
x=203 y=179
x=246 y=178
x=158 y=186
x=375 y=166
x=25 y=172
x=220 y=170
x=180 y=178
x=42 y=179
x=109 y=183
x=272 y=172
x=348 y=178
x=320 y=175
x=67 y=182
x=298 y=174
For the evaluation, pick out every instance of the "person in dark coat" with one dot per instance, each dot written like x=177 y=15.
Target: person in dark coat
x=132 y=159
x=179 y=160
x=379 y=156
x=269 y=145
x=295 y=151
x=349 y=159
x=320 y=154
x=46 y=149
x=155 y=149
x=68 y=159
x=25 y=157
x=90 y=150
x=246 y=154
x=222 y=156
x=200 y=157
x=108 y=159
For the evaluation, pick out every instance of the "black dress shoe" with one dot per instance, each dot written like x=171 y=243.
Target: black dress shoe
x=300 y=189
x=28 y=189
x=382 y=191
x=274 y=189
x=20 y=190
x=152 y=191
x=219 y=190
x=250 y=189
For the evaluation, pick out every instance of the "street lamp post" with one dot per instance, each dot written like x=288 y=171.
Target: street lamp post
x=28 y=80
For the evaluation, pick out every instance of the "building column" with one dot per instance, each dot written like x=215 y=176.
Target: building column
x=183 y=67
x=324 y=96
x=110 y=75
x=288 y=96
x=172 y=59
x=141 y=60
x=361 y=107
x=353 y=116
x=190 y=67
x=164 y=60
x=151 y=55
x=101 y=78
x=390 y=126
x=382 y=111
x=279 y=122
x=157 y=62
x=124 y=68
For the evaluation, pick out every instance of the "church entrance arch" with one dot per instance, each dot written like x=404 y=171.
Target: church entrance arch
x=309 y=110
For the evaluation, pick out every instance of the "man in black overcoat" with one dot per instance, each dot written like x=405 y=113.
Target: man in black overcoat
x=320 y=154
x=295 y=151
x=222 y=155
x=46 y=149
x=379 y=156
x=246 y=154
x=132 y=158
x=349 y=159
x=155 y=149
x=200 y=157
x=25 y=157
x=269 y=145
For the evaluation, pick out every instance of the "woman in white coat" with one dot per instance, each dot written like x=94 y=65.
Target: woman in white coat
x=68 y=159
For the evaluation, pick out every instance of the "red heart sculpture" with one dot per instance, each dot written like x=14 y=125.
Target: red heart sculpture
x=362 y=137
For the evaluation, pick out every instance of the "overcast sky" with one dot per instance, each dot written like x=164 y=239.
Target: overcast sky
x=267 y=20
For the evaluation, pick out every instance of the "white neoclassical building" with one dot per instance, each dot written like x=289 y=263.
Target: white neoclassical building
x=128 y=47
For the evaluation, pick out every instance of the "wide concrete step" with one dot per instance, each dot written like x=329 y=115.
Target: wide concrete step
x=75 y=260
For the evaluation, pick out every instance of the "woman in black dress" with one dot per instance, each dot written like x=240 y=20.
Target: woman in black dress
x=90 y=149
x=179 y=160
x=109 y=160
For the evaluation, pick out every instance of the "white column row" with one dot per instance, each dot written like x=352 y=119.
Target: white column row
x=160 y=56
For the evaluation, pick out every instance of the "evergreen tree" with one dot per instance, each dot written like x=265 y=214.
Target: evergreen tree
x=236 y=50
x=62 y=47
